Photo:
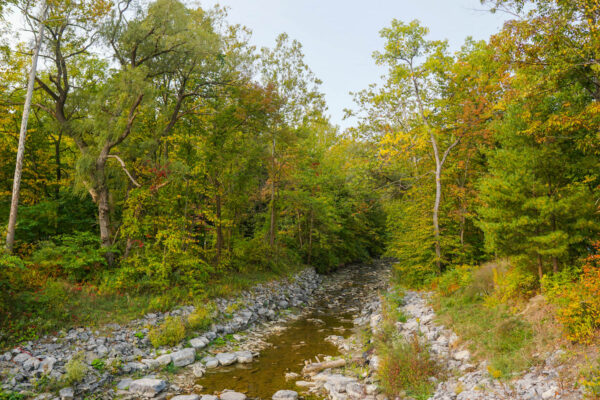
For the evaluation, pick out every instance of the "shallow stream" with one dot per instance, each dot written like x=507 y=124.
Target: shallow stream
x=299 y=339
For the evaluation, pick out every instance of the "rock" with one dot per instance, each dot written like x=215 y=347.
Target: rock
x=183 y=357
x=124 y=384
x=305 y=384
x=210 y=362
x=231 y=395
x=550 y=393
x=285 y=395
x=243 y=357
x=31 y=364
x=198 y=343
x=198 y=370
x=355 y=390
x=148 y=387
x=186 y=397
x=208 y=397
x=47 y=364
x=21 y=358
x=226 y=358
x=66 y=393
x=165 y=359
x=461 y=355
x=291 y=375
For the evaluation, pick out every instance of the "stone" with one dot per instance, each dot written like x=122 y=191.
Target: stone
x=210 y=362
x=124 y=384
x=550 y=393
x=66 y=393
x=165 y=359
x=183 y=357
x=31 y=364
x=186 y=397
x=291 y=375
x=198 y=343
x=47 y=365
x=148 y=387
x=285 y=395
x=231 y=395
x=226 y=358
x=209 y=397
x=198 y=370
x=243 y=357
x=463 y=355
x=355 y=390
x=21 y=358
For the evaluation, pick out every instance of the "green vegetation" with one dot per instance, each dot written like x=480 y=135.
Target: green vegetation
x=170 y=333
x=98 y=365
x=75 y=370
x=201 y=318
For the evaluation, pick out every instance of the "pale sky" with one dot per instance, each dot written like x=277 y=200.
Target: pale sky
x=339 y=36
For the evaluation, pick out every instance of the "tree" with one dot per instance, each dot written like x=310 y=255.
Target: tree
x=12 y=219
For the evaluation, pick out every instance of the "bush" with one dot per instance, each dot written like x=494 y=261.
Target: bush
x=201 y=318
x=75 y=370
x=577 y=299
x=512 y=285
x=453 y=279
x=77 y=257
x=169 y=333
x=414 y=276
x=406 y=366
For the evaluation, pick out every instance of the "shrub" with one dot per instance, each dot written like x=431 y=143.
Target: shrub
x=75 y=370
x=577 y=299
x=201 y=318
x=169 y=333
x=77 y=257
x=406 y=366
x=414 y=276
x=590 y=380
x=512 y=284
x=453 y=279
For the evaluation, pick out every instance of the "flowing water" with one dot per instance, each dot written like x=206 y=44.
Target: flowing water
x=300 y=339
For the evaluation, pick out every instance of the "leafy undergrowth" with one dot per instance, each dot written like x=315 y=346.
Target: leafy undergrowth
x=53 y=304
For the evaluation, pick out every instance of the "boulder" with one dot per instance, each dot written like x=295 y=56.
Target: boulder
x=165 y=359
x=209 y=397
x=231 y=395
x=226 y=358
x=198 y=343
x=66 y=393
x=186 y=397
x=183 y=357
x=147 y=387
x=198 y=370
x=243 y=357
x=210 y=362
x=285 y=395
x=124 y=384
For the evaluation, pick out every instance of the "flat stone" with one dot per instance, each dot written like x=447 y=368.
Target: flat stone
x=186 y=397
x=463 y=355
x=226 y=358
x=183 y=357
x=243 y=357
x=66 y=393
x=231 y=395
x=305 y=384
x=148 y=387
x=198 y=343
x=285 y=395
x=21 y=358
x=210 y=362
x=209 y=397
x=165 y=359
x=47 y=365
x=124 y=384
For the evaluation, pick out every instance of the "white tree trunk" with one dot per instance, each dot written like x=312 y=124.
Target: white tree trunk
x=12 y=219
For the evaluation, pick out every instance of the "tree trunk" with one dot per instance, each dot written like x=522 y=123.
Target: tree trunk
x=310 y=235
x=540 y=267
x=14 y=203
x=272 y=220
x=436 y=208
x=219 y=228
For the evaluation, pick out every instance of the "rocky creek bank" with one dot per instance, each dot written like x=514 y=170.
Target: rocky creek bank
x=121 y=354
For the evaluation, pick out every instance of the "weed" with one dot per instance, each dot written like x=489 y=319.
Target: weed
x=75 y=370
x=98 y=365
x=169 y=333
x=201 y=318
x=139 y=335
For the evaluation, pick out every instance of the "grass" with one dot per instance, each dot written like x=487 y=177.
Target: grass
x=72 y=305
x=406 y=365
x=506 y=340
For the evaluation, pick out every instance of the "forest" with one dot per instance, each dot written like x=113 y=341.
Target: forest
x=167 y=158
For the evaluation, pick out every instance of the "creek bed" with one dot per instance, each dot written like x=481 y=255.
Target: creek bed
x=299 y=339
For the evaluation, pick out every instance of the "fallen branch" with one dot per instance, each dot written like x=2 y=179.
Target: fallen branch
x=316 y=367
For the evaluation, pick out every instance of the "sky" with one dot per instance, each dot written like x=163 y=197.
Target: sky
x=340 y=36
